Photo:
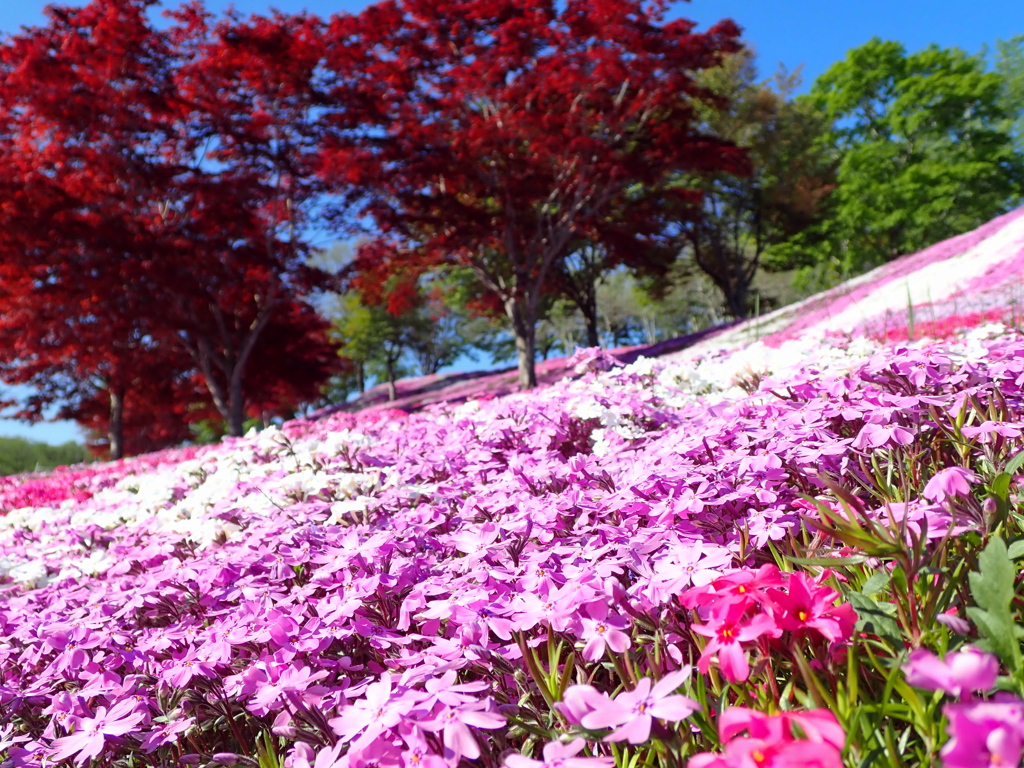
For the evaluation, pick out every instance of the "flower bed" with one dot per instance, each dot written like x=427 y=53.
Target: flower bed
x=745 y=560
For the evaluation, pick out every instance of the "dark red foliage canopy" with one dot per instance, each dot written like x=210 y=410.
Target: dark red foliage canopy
x=153 y=192
x=495 y=133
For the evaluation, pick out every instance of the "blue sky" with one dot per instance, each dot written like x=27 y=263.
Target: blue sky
x=811 y=33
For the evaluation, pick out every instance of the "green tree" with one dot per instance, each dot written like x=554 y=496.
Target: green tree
x=18 y=455
x=926 y=153
x=373 y=338
x=792 y=171
x=1009 y=65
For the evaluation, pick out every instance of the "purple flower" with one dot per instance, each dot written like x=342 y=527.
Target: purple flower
x=455 y=722
x=377 y=712
x=952 y=481
x=966 y=670
x=631 y=713
x=90 y=736
x=578 y=701
x=558 y=755
x=876 y=435
x=166 y=733
x=302 y=756
x=986 y=429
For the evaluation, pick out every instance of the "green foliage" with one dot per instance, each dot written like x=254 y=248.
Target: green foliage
x=1009 y=65
x=792 y=171
x=373 y=338
x=18 y=455
x=992 y=588
x=926 y=154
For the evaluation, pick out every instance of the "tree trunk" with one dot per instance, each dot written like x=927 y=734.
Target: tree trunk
x=236 y=405
x=590 y=318
x=525 y=353
x=524 y=328
x=115 y=432
x=389 y=364
x=360 y=378
x=736 y=298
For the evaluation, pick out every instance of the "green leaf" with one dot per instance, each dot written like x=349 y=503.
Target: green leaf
x=875 y=583
x=992 y=587
x=1016 y=550
x=997 y=634
x=1001 y=486
x=876 y=618
x=1014 y=464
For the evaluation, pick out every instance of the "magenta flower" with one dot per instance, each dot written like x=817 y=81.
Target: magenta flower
x=742 y=586
x=558 y=755
x=817 y=725
x=91 y=734
x=728 y=629
x=966 y=670
x=770 y=742
x=631 y=713
x=757 y=753
x=808 y=606
x=952 y=481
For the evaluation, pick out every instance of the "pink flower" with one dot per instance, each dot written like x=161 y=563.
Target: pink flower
x=984 y=733
x=90 y=736
x=875 y=435
x=558 y=755
x=632 y=712
x=602 y=630
x=727 y=629
x=738 y=586
x=770 y=742
x=952 y=481
x=808 y=606
x=966 y=670
x=454 y=722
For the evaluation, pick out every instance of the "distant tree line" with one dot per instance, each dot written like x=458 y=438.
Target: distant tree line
x=516 y=178
x=18 y=455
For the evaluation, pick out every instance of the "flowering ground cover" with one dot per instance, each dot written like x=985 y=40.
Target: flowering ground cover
x=796 y=553
x=709 y=563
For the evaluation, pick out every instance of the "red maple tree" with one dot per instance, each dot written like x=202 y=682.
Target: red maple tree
x=496 y=134
x=152 y=196
x=84 y=103
x=244 y=208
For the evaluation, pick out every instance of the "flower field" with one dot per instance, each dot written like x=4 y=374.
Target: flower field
x=800 y=553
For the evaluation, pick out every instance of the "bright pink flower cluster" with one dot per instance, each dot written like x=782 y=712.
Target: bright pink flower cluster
x=746 y=606
x=771 y=741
